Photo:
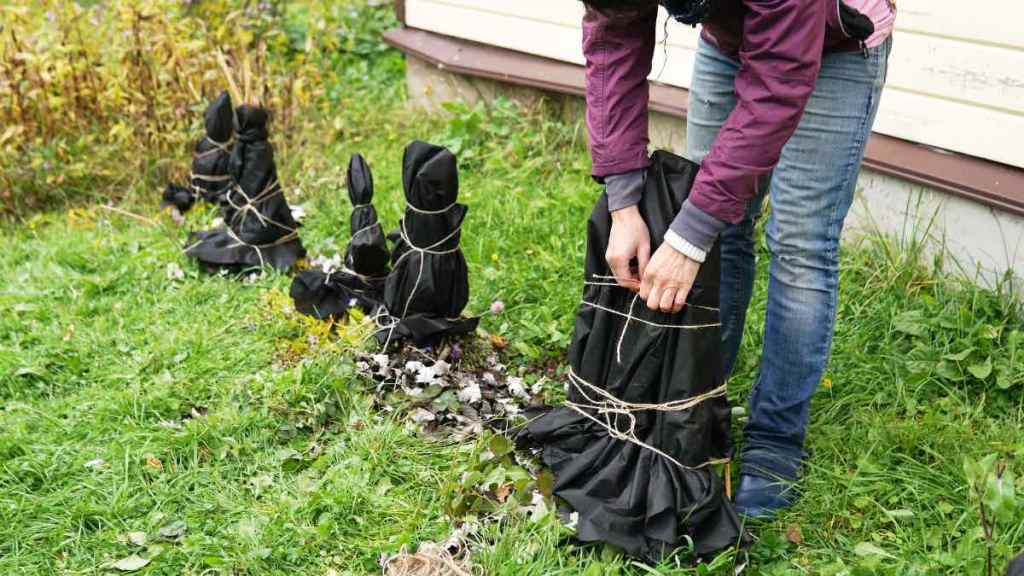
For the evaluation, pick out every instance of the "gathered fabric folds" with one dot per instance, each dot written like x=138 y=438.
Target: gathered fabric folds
x=212 y=154
x=179 y=197
x=259 y=228
x=428 y=286
x=367 y=252
x=327 y=294
x=635 y=448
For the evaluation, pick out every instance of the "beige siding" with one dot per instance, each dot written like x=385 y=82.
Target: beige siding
x=956 y=80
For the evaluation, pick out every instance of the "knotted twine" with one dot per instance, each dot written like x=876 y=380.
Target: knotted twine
x=249 y=207
x=611 y=408
x=431 y=249
x=604 y=281
x=217 y=147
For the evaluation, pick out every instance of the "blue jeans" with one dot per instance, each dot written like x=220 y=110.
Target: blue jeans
x=810 y=190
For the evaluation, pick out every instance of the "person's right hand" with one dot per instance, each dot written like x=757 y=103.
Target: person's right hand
x=629 y=239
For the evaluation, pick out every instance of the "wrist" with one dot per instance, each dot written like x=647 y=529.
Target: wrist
x=625 y=213
x=681 y=245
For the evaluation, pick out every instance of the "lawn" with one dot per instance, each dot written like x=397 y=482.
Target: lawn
x=148 y=409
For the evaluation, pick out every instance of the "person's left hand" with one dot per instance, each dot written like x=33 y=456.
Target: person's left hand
x=667 y=280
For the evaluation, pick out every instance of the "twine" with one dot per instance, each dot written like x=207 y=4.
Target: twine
x=218 y=147
x=361 y=230
x=630 y=317
x=431 y=249
x=611 y=408
x=409 y=206
x=613 y=281
x=196 y=189
x=271 y=190
x=258 y=247
x=209 y=177
x=427 y=561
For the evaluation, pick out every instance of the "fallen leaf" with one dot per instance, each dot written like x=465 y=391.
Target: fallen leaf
x=502 y=492
x=421 y=415
x=869 y=549
x=154 y=463
x=794 y=535
x=130 y=564
x=470 y=393
x=137 y=538
x=173 y=531
x=546 y=483
x=498 y=342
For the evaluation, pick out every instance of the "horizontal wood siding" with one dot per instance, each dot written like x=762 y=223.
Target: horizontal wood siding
x=956 y=81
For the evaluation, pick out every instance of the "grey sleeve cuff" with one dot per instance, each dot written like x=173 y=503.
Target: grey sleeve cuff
x=624 y=190
x=697 y=226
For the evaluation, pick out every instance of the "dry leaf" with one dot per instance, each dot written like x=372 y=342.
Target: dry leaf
x=794 y=535
x=130 y=564
x=154 y=463
x=498 y=342
x=502 y=492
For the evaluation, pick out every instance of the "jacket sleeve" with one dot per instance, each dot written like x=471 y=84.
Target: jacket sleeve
x=618 y=49
x=779 y=62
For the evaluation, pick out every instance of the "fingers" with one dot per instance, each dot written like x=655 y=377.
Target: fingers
x=646 y=285
x=643 y=254
x=680 y=300
x=667 y=299
x=619 y=265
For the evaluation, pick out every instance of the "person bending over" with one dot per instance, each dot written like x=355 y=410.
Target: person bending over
x=783 y=96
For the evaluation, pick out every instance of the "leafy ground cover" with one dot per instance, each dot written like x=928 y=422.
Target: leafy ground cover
x=152 y=414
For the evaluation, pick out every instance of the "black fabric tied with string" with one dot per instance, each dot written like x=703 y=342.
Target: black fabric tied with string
x=209 y=178
x=367 y=252
x=259 y=229
x=329 y=294
x=634 y=448
x=212 y=155
x=428 y=286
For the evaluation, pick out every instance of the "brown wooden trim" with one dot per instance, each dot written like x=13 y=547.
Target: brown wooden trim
x=400 y=10
x=991 y=183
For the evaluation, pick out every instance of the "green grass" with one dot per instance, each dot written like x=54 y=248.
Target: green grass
x=284 y=468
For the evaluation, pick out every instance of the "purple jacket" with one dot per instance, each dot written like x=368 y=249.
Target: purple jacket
x=780 y=45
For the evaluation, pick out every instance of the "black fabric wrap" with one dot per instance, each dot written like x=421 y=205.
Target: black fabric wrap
x=367 y=252
x=329 y=295
x=257 y=239
x=626 y=494
x=209 y=157
x=177 y=196
x=857 y=25
x=427 y=291
x=321 y=295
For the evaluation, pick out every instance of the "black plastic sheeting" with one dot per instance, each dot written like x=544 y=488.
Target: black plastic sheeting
x=626 y=494
x=324 y=295
x=428 y=286
x=260 y=230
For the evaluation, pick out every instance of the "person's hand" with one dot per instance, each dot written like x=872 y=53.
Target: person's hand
x=629 y=239
x=668 y=279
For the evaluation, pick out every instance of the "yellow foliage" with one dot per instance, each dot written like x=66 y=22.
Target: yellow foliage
x=143 y=68
x=316 y=336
